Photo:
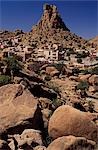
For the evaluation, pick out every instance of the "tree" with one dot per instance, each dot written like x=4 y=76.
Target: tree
x=12 y=66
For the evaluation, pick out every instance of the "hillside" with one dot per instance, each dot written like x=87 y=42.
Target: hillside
x=52 y=29
x=94 y=40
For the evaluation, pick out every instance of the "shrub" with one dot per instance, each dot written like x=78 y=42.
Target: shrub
x=94 y=70
x=86 y=71
x=70 y=51
x=79 y=60
x=4 y=80
x=83 y=85
x=75 y=71
x=58 y=102
x=54 y=87
x=48 y=78
x=82 y=55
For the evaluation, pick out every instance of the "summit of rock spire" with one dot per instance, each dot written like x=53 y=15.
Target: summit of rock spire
x=51 y=19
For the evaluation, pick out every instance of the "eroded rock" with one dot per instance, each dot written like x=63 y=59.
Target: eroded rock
x=72 y=143
x=70 y=121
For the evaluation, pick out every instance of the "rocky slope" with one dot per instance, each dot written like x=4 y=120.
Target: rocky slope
x=94 y=40
x=51 y=29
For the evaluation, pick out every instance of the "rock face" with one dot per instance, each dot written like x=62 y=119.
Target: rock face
x=18 y=109
x=72 y=143
x=51 y=19
x=70 y=121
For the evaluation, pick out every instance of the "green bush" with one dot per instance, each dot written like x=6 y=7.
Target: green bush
x=54 y=87
x=48 y=78
x=4 y=80
x=83 y=85
x=75 y=71
x=58 y=102
x=86 y=71
x=82 y=55
x=94 y=70
x=79 y=60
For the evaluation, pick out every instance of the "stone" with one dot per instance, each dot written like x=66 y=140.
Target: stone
x=17 y=80
x=55 y=73
x=11 y=144
x=4 y=145
x=45 y=103
x=72 y=143
x=29 y=137
x=18 y=110
x=46 y=115
x=93 y=79
x=84 y=77
x=67 y=120
x=52 y=71
x=33 y=135
x=40 y=148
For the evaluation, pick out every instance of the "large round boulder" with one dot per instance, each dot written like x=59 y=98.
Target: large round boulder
x=67 y=120
x=71 y=143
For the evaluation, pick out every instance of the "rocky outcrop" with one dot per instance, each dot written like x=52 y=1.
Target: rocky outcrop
x=70 y=121
x=29 y=137
x=51 y=19
x=72 y=143
x=18 y=110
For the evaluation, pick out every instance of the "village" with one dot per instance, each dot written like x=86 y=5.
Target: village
x=48 y=53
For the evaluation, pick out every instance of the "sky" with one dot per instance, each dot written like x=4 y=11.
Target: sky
x=81 y=17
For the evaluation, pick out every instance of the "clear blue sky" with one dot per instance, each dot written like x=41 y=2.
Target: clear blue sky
x=79 y=16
